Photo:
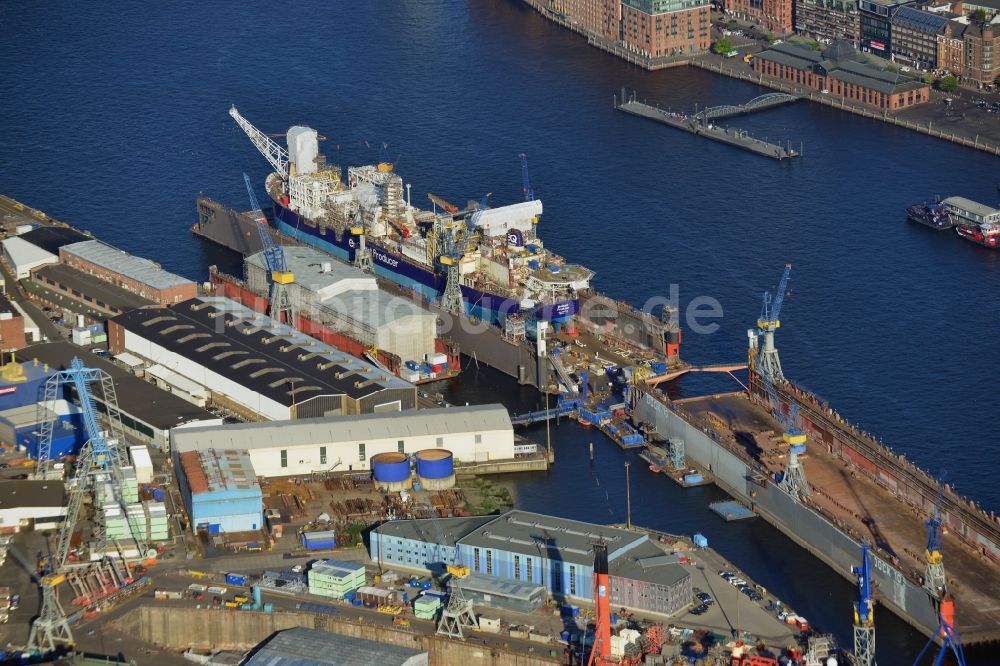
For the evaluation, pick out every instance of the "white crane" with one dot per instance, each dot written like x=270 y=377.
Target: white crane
x=272 y=152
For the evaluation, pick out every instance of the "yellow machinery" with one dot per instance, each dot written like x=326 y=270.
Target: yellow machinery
x=458 y=570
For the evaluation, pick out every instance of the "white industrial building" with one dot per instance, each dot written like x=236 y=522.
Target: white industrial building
x=342 y=444
x=253 y=364
x=346 y=299
x=26 y=503
x=23 y=256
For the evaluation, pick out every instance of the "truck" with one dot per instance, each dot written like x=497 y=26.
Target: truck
x=167 y=594
x=217 y=590
x=196 y=588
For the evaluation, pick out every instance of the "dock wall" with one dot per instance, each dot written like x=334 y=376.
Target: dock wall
x=800 y=523
x=201 y=629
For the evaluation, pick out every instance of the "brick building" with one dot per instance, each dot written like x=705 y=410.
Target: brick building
x=828 y=20
x=658 y=28
x=135 y=274
x=772 y=15
x=597 y=16
x=11 y=326
x=967 y=49
x=915 y=36
x=838 y=71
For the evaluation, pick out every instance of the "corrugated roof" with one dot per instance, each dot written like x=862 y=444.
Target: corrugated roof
x=355 y=428
x=218 y=470
x=961 y=203
x=335 y=567
x=51 y=239
x=23 y=252
x=256 y=351
x=105 y=292
x=300 y=646
x=343 y=289
x=123 y=263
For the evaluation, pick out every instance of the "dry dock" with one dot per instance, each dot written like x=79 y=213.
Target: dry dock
x=736 y=439
x=700 y=126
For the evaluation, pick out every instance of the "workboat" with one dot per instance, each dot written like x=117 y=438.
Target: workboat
x=987 y=234
x=933 y=215
x=485 y=261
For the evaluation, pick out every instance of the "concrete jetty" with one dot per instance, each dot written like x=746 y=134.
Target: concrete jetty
x=701 y=127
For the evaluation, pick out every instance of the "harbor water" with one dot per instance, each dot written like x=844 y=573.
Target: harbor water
x=116 y=118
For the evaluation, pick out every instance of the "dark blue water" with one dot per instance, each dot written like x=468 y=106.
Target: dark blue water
x=115 y=117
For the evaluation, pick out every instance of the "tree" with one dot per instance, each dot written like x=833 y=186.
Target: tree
x=816 y=46
x=891 y=68
x=723 y=46
x=948 y=83
x=770 y=38
x=732 y=24
x=979 y=15
x=929 y=78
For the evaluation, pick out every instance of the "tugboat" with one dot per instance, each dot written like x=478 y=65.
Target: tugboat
x=986 y=234
x=933 y=215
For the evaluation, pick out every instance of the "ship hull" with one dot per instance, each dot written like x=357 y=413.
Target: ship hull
x=922 y=215
x=391 y=265
x=973 y=236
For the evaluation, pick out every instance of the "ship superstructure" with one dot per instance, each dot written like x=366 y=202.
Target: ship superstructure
x=485 y=261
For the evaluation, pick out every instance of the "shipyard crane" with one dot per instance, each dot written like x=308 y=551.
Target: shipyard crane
x=529 y=194
x=934 y=580
x=769 y=364
x=280 y=306
x=458 y=614
x=99 y=461
x=272 y=152
x=362 y=255
x=864 y=613
x=794 y=480
x=950 y=640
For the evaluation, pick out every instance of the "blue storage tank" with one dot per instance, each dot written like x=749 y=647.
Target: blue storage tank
x=391 y=471
x=435 y=463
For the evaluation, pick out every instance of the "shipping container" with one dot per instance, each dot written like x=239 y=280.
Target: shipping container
x=167 y=594
x=236 y=579
x=217 y=589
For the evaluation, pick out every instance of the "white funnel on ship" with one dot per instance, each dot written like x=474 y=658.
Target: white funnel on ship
x=303 y=148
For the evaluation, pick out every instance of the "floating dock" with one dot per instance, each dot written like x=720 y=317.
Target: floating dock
x=731 y=510
x=701 y=126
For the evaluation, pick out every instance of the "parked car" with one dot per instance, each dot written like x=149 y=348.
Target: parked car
x=705 y=598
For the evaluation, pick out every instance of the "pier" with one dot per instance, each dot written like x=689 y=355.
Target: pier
x=700 y=126
x=761 y=103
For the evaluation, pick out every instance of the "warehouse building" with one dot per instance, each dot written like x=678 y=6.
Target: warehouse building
x=349 y=300
x=348 y=443
x=23 y=257
x=220 y=491
x=77 y=292
x=31 y=503
x=51 y=239
x=148 y=413
x=135 y=274
x=300 y=646
x=21 y=427
x=254 y=365
x=551 y=552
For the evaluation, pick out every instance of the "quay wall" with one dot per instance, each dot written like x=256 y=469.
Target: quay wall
x=800 y=523
x=200 y=629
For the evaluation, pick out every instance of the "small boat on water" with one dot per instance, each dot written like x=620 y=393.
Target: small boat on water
x=654 y=469
x=986 y=234
x=933 y=215
x=584 y=422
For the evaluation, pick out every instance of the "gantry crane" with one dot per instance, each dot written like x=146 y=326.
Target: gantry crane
x=280 y=307
x=272 y=152
x=934 y=580
x=864 y=613
x=794 y=480
x=100 y=460
x=768 y=363
x=529 y=194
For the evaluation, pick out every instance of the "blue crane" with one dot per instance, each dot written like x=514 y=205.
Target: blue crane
x=768 y=322
x=864 y=613
x=274 y=259
x=529 y=194
x=950 y=640
x=934 y=580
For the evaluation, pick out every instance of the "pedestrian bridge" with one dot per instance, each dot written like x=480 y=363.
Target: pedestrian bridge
x=756 y=104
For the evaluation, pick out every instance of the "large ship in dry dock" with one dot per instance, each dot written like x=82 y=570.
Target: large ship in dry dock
x=485 y=265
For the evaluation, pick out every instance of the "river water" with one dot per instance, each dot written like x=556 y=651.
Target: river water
x=116 y=117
